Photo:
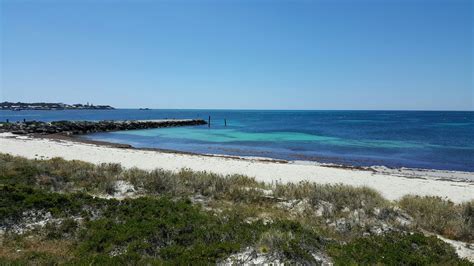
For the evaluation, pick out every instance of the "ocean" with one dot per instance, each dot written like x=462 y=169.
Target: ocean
x=414 y=139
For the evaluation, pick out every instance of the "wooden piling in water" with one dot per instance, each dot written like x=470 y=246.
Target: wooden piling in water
x=209 y=123
x=225 y=122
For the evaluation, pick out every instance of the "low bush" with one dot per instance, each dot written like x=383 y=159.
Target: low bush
x=455 y=221
x=156 y=229
x=395 y=249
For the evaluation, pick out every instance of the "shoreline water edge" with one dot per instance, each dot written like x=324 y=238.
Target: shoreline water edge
x=392 y=183
x=412 y=139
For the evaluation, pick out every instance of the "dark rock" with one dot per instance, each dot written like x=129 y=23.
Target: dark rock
x=85 y=127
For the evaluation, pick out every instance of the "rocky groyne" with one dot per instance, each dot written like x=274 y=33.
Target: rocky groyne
x=86 y=127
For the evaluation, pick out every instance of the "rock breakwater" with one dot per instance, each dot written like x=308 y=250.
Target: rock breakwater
x=86 y=127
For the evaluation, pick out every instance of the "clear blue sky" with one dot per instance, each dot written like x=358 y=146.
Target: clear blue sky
x=240 y=54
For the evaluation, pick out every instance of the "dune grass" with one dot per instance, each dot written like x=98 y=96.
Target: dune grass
x=341 y=196
x=454 y=221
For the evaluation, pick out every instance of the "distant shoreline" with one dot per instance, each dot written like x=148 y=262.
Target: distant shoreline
x=43 y=106
x=256 y=110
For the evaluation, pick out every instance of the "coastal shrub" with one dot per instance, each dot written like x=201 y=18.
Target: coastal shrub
x=61 y=175
x=54 y=174
x=110 y=188
x=341 y=196
x=32 y=250
x=19 y=199
x=395 y=249
x=164 y=183
x=31 y=258
x=58 y=174
x=187 y=182
x=14 y=170
x=162 y=229
x=455 y=221
x=137 y=177
x=166 y=230
x=239 y=206
x=64 y=229
x=292 y=242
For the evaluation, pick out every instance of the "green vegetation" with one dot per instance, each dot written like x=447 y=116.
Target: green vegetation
x=50 y=213
x=404 y=249
x=150 y=228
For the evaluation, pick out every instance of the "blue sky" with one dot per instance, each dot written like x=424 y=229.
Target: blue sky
x=240 y=54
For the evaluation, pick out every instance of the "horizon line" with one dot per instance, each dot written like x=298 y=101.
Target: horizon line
x=255 y=109
x=274 y=109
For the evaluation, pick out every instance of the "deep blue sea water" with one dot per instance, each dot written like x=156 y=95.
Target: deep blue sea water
x=437 y=140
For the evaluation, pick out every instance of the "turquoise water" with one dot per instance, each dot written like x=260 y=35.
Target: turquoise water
x=226 y=135
x=437 y=140
x=233 y=135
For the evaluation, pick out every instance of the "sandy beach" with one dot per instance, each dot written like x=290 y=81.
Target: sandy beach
x=391 y=183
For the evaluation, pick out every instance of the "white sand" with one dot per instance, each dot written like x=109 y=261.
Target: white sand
x=463 y=249
x=391 y=184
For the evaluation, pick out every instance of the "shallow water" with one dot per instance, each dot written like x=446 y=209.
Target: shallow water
x=437 y=140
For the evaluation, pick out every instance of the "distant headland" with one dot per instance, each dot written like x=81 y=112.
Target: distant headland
x=18 y=106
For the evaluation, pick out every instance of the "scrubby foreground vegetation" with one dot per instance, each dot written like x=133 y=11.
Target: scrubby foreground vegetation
x=71 y=212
